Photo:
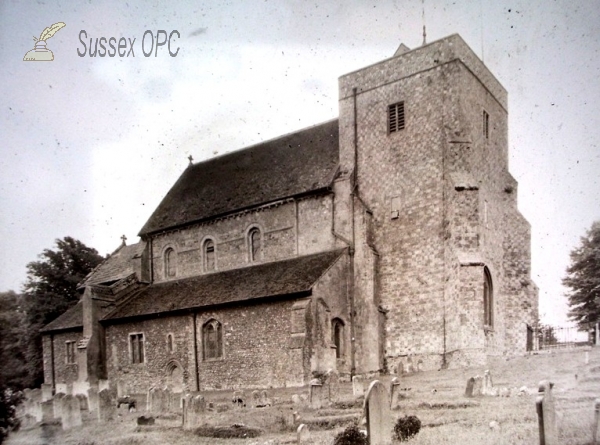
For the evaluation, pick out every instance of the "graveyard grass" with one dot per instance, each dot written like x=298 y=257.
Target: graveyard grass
x=435 y=397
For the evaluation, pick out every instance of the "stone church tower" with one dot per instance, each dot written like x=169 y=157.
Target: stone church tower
x=387 y=240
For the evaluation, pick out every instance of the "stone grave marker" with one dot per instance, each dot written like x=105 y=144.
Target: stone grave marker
x=333 y=385
x=596 y=421
x=93 y=398
x=546 y=414
x=317 y=394
x=83 y=401
x=194 y=408
x=303 y=434
x=255 y=398
x=47 y=410
x=71 y=412
x=58 y=405
x=487 y=389
x=107 y=405
x=61 y=387
x=395 y=393
x=469 y=389
x=358 y=386
x=379 y=419
x=478 y=386
x=46 y=392
x=264 y=398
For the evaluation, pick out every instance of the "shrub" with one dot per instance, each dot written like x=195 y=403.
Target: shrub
x=235 y=431
x=407 y=427
x=351 y=436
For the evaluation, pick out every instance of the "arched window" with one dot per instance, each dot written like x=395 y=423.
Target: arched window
x=337 y=334
x=170 y=343
x=212 y=336
x=209 y=255
x=170 y=263
x=254 y=244
x=488 y=299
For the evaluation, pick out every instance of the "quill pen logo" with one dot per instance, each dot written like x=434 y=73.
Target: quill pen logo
x=40 y=53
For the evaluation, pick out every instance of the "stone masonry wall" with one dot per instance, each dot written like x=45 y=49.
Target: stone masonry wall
x=295 y=227
x=63 y=372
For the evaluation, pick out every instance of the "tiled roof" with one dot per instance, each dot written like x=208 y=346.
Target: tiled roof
x=279 y=278
x=72 y=318
x=288 y=166
x=116 y=267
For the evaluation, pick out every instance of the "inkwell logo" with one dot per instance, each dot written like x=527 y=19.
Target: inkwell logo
x=40 y=53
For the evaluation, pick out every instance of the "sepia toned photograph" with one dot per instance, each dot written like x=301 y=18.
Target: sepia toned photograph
x=283 y=222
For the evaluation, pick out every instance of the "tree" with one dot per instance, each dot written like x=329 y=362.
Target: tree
x=51 y=289
x=13 y=371
x=583 y=280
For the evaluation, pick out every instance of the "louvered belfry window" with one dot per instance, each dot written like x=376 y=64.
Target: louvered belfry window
x=396 y=117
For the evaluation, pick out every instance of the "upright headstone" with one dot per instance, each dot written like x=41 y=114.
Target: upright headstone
x=61 y=388
x=478 y=386
x=58 y=405
x=317 y=394
x=93 y=398
x=358 y=386
x=470 y=385
x=83 y=402
x=255 y=399
x=395 y=393
x=46 y=392
x=596 y=421
x=47 y=411
x=193 y=411
x=264 y=398
x=546 y=414
x=487 y=383
x=71 y=412
x=333 y=385
x=107 y=405
x=379 y=420
x=303 y=434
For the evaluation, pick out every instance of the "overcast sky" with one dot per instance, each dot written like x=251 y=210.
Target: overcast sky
x=91 y=145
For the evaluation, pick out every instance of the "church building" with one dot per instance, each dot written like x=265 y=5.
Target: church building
x=383 y=241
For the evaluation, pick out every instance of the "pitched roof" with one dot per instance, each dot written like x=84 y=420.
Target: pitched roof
x=116 y=267
x=288 y=166
x=71 y=319
x=279 y=278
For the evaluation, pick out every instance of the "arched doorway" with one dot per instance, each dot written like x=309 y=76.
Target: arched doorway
x=175 y=380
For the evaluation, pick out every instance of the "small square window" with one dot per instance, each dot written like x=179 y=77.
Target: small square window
x=136 y=343
x=396 y=117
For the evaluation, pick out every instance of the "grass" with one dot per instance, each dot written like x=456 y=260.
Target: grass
x=446 y=415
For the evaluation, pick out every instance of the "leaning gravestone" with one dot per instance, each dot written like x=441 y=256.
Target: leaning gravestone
x=71 y=412
x=358 y=386
x=317 y=394
x=303 y=435
x=379 y=420
x=395 y=393
x=107 y=405
x=546 y=414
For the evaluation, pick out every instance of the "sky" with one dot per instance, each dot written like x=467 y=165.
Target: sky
x=90 y=145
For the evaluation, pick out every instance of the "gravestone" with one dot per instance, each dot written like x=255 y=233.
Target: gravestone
x=46 y=392
x=193 y=410
x=264 y=398
x=58 y=405
x=596 y=421
x=61 y=387
x=93 y=398
x=303 y=434
x=47 y=411
x=546 y=414
x=83 y=401
x=333 y=385
x=487 y=389
x=395 y=393
x=159 y=400
x=107 y=405
x=478 y=386
x=255 y=399
x=317 y=394
x=470 y=385
x=379 y=420
x=71 y=412
x=358 y=386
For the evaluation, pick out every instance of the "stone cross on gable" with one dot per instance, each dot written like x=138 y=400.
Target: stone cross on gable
x=124 y=238
x=190 y=157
